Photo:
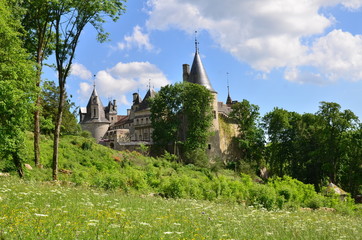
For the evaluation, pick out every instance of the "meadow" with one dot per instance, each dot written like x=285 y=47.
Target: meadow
x=48 y=210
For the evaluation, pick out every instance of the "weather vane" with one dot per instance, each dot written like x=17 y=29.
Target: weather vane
x=94 y=81
x=196 y=42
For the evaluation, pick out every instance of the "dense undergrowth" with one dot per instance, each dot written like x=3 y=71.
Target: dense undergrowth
x=83 y=162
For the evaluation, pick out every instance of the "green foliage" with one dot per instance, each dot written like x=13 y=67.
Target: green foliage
x=263 y=196
x=133 y=173
x=315 y=148
x=250 y=140
x=181 y=116
x=50 y=99
x=16 y=87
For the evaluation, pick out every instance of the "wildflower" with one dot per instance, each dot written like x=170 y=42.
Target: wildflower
x=144 y=223
x=114 y=226
x=40 y=215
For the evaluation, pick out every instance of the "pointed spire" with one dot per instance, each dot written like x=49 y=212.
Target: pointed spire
x=228 y=100
x=198 y=73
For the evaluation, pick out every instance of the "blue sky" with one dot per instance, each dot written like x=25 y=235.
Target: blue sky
x=290 y=54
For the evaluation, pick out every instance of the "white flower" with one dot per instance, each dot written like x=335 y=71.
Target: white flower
x=114 y=226
x=40 y=215
x=144 y=223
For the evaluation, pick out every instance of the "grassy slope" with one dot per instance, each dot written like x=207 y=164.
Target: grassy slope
x=88 y=164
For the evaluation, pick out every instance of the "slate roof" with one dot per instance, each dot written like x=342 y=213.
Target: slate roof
x=198 y=73
x=145 y=102
x=94 y=100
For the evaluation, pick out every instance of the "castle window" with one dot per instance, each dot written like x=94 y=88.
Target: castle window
x=94 y=112
x=112 y=118
x=209 y=146
x=214 y=113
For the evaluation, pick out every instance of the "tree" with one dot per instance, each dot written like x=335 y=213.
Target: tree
x=335 y=125
x=166 y=108
x=37 y=22
x=69 y=19
x=16 y=87
x=50 y=99
x=181 y=115
x=250 y=139
x=197 y=116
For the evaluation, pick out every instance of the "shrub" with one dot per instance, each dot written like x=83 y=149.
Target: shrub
x=263 y=196
x=86 y=145
x=173 y=187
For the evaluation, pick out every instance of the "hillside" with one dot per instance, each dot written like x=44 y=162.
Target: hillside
x=85 y=163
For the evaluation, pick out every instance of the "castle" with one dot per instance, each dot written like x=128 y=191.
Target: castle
x=130 y=131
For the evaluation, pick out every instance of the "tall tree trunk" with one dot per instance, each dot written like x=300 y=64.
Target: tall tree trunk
x=37 y=132
x=17 y=162
x=39 y=60
x=57 y=133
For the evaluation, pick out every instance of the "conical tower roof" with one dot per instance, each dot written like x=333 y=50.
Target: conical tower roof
x=198 y=73
x=95 y=102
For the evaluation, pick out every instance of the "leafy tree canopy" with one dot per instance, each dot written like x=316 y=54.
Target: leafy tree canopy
x=181 y=115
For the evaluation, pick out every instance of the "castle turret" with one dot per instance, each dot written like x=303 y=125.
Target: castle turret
x=111 y=111
x=93 y=118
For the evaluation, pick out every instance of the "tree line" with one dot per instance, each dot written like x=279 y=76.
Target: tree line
x=31 y=31
x=314 y=148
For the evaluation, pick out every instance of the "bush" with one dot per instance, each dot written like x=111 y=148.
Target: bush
x=86 y=145
x=173 y=188
x=263 y=196
x=315 y=202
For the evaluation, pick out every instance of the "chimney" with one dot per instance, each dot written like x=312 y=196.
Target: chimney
x=135 y=97
x=186 y=72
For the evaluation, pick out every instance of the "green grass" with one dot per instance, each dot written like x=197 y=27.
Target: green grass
x=87 y=164
x=34 y=210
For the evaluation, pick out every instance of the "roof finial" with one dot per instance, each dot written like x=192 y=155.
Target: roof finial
x=94 y=81
x=227 y=80
x=196 y=43
x=149 y=84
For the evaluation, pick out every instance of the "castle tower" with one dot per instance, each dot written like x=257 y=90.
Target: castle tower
x=93 y=118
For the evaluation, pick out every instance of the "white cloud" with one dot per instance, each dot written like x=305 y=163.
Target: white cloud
x=123 y=79
x=84 y=91
x=137 y=39
x=270 y=34
x=80 y=71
